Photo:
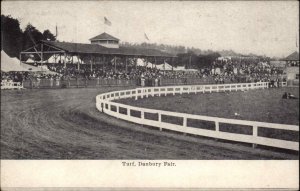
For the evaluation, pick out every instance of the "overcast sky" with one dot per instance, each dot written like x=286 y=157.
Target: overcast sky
x=269 y=28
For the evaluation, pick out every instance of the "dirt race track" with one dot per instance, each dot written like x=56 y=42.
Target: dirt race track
x=65 y=124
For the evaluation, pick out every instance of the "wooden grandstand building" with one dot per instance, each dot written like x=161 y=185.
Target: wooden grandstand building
x=103 y=48
x=105 y=40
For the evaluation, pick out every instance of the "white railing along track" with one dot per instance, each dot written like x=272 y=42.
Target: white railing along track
x=104 y=103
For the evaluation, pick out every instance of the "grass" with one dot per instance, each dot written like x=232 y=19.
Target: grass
x=255 y=105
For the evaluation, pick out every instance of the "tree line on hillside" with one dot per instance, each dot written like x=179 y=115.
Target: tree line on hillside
x=188 y=57
x=172 y=49
x=14 y=39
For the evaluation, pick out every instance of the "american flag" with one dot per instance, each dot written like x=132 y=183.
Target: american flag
x=107 y=22
x=146 y=37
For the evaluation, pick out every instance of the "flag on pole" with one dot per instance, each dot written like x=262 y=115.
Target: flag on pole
x=56 y=32
x=107 y=22
x=146 y=37
x=296 y=41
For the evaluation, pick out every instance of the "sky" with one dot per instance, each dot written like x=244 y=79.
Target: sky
x=268 y=28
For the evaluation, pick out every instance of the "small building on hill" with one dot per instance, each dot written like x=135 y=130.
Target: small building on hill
x=292 y=68
x=292 y=59
x=105 y=40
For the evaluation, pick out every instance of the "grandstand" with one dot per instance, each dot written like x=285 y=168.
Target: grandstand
x=105 y=62
x=102 y=49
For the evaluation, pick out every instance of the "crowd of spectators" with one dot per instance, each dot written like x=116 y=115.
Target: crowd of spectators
x=22 y=76
x=221 y=71
x=245 y=71
x=293 y=63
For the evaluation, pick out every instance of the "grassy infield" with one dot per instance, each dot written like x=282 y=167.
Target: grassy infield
x=255 y=105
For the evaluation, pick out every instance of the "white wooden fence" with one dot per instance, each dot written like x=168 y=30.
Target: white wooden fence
x=104 y=103
x=11 y=85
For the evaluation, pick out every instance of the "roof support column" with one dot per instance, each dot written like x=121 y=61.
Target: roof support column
x=126 y=64
x=65 y=57
x=146 y=63
x=78 y=63
x=103 y=62
x=55 y=57
x=115 y=62
x=164 y=65
x=190 y=61
x=91 y=62
x=42 y=47
x=20 y=58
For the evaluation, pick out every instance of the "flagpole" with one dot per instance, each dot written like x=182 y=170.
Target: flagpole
x=104 y=25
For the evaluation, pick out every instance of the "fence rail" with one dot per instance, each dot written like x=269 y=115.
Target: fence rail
x=98 y=82
x=141 y=115
x=58 y=83
x=11 y=85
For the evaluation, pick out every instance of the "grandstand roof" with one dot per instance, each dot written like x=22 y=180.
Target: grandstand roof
x=293 y=57
x=98 y=49
x=104 y=36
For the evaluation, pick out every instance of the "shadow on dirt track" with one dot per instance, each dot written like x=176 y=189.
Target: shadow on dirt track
x=65 y=124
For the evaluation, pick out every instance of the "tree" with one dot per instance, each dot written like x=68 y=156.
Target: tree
x=31 y=36
x=207 y=60
x=47 y=35
x=11 y=36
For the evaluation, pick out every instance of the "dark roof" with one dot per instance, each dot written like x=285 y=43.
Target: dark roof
x=293 y=57
x=104 y=36
x=98 y=49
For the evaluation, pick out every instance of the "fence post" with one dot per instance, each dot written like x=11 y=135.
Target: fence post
x=217 y=126
x=173 y=91
x=159 y=120
x=117 y=108
x=255 y=134
x=142 y=93
x=184 y=122
x=142 y=115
